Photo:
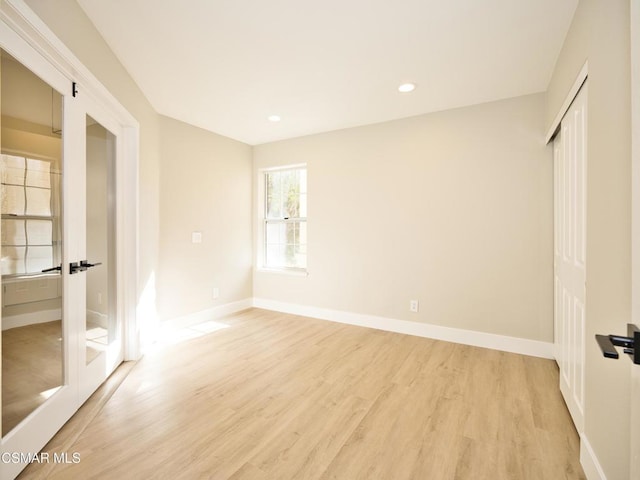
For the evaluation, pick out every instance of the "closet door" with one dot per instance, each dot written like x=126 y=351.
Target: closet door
x=570 y=170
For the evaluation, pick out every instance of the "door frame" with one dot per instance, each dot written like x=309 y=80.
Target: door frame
x=27 y=25
x=634 y=440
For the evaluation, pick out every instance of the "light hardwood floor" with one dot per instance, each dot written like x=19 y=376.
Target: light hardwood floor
x=277 y=396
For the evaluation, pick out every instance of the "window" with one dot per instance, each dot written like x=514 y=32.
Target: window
x=27 y=219
x=285 y=218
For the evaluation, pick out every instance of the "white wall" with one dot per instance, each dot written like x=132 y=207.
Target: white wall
x=454 y=209
x=599 y=33
x=205 y=187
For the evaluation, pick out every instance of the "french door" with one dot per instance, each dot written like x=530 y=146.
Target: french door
x=62 y=333
x=92 y=222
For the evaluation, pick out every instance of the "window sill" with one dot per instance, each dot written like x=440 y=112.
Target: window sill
x=284 y=271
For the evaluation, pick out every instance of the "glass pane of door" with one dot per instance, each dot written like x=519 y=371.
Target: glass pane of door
x=101 y=319
x=31 y=241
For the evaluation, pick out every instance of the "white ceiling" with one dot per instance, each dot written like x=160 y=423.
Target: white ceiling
x=226 y=65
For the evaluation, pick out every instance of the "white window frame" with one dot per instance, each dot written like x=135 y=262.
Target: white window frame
x=263 y=220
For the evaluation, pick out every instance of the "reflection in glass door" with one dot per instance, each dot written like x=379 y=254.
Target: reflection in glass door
x=101 y=323
x=63 y=303
x=96 y=215
x=31 y=235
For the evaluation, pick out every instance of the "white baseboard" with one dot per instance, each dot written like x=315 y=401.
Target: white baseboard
x=208 y=314
x=41 y=316
x=589 y=461
x=456 y=335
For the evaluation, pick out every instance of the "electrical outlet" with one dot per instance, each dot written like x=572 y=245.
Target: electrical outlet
x=216 y=293
x=413 y=306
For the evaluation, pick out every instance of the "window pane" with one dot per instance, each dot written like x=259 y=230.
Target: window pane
x=274 y=195
x=40 y=232
x=274 y=205
x=275 y=256
x=290 y=251
x=12 y=170
x=38 y=201
x=13 y=200
x=39 y=258
x=38 y=173
x=275 y=233
x=291 y=194
x=283 y=244
x=291 y=233
x=13 y=232
x=13 y=260
x=286 y=202
x=284 y=192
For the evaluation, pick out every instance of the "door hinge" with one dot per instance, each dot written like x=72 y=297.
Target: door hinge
x=74 y=89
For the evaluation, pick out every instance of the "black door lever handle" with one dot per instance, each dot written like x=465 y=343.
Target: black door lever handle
x=630 y=344
x=84 y=263
x=52 y=269
x=606 y=345
x=76 y=267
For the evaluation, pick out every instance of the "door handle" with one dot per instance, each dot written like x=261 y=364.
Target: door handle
x=85 y=264
x=630 y=344
x=75 y=267
x=53 y=269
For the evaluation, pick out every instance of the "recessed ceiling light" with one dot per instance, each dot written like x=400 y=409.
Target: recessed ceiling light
x=407 y=87
x=274 y=118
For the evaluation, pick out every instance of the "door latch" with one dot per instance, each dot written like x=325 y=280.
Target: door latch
x=630 y=344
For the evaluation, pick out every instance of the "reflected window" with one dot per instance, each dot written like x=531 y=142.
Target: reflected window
x=31 y=241
x=27 y=215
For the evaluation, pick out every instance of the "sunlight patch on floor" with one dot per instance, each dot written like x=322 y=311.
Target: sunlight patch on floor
x=172 y=335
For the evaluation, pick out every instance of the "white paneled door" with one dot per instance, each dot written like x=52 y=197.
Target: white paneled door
x=570 y=170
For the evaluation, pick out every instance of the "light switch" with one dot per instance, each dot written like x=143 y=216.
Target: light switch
x=196 y=237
